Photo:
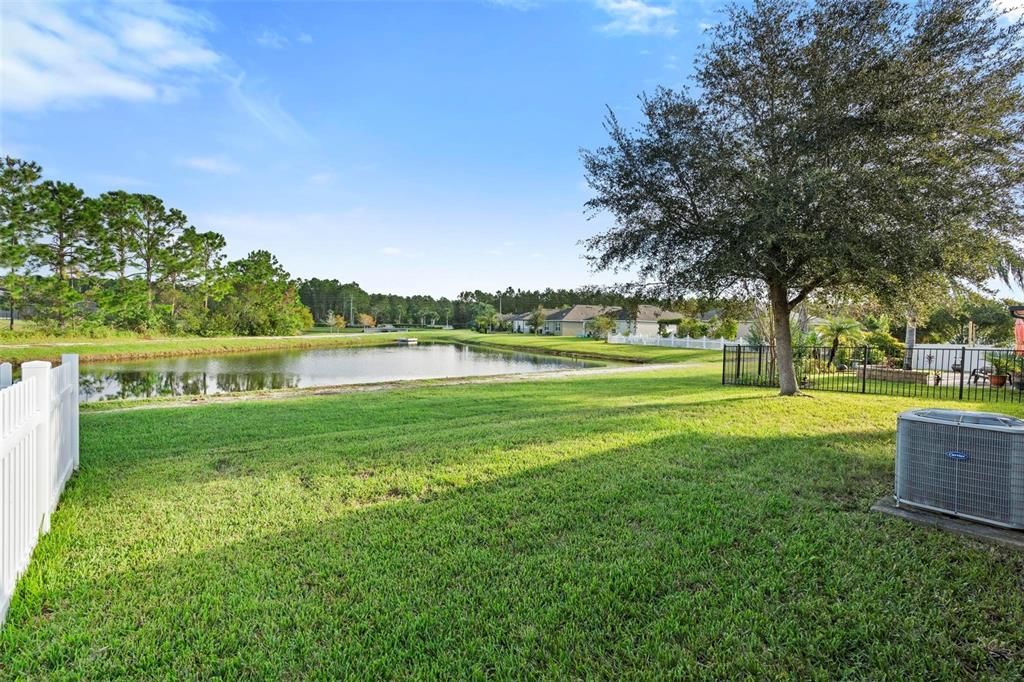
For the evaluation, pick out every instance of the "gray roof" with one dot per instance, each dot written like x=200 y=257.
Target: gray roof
x=579 y=313
x=584 y=313
x=647 y=313
x=525 y=317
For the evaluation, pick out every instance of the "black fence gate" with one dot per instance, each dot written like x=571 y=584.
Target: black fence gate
x=947 y=373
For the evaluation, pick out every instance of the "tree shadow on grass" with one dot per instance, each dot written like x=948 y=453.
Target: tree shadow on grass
x=684 y=555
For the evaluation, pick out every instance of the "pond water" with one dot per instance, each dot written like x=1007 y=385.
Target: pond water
x=212 y=374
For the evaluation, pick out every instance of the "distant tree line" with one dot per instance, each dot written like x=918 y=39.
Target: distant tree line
x=127 y=261
x=329 y=299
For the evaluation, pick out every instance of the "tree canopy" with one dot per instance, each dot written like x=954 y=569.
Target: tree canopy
x=825 y=144
x=128 y=261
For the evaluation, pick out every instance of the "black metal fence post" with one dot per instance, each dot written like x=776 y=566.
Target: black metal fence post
x=963 y=368
x=864 y=370
x=827 y=369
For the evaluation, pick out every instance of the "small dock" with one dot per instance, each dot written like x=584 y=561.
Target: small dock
x=408 y=341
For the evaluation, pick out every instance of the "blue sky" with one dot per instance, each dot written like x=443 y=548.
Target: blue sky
x=415 y=147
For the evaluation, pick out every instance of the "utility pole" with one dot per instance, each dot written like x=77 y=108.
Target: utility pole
x=351 y=312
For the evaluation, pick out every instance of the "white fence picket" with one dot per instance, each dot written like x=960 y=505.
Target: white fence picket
x=673 y=342
x=38 y=454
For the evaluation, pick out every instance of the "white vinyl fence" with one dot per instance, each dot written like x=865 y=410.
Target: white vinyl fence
x=941 y=356
x=673 y=342
x=38 y=453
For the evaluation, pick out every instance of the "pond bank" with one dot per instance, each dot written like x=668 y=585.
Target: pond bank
x=100 y=350
x=284 y=394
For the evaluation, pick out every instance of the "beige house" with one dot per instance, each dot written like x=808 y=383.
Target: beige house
x=521 y=322
x=578 y=320
x=575 y=320
x=648 y=321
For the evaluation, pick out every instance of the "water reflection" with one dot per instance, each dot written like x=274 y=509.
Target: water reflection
x=208 y=375
x=115 y=385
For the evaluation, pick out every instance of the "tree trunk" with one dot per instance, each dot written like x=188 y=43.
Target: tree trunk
x=909 y=340
x=783 y=340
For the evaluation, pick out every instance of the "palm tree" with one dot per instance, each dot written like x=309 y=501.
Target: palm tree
x=488 y=321
x=840 y=330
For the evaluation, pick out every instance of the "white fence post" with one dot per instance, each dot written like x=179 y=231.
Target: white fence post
x=71 y=404
x=40 y=372
x=38 y=453
x=6 y=374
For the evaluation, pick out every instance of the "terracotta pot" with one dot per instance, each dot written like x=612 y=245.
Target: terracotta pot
x=997 y=380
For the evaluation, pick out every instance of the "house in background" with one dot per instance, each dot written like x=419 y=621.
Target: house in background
x=578 y=320
x=648 y=322
x=574 y=321
x=521 y=321
x=506 y=320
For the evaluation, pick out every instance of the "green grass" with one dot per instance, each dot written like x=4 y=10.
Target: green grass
x=580 y=347
x=134 y=348
x=648 y=525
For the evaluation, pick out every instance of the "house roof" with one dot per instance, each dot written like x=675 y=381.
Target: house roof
x=525 y=317
x=579 y=313
x=647 y=313
x=585 y=313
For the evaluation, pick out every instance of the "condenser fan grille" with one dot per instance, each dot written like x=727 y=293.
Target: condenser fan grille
x=965 y=466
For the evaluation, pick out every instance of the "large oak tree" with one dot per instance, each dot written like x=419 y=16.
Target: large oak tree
x=825 y=144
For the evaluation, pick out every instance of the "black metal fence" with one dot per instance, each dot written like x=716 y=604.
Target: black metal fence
x=946 y=373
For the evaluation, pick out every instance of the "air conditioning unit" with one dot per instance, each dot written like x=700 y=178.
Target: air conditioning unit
x=968 y=464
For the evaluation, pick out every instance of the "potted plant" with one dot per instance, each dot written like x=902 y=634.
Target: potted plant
x=1002 y=368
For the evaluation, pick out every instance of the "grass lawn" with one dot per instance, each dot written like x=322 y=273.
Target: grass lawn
x=136 y=347
x=120 y=348
x=571 y=345
x=651 y=525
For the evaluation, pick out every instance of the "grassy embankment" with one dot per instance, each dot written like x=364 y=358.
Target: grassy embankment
x=649 y=525
x=120 y=348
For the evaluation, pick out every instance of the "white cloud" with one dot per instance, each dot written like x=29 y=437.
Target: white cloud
x=1014 y=9
x=305 y=38
x=271 y=39
x=211 y=164
x=69 y=54
x=74 y=54
x=265 y=109
x=391 y=251
x=638 y=16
